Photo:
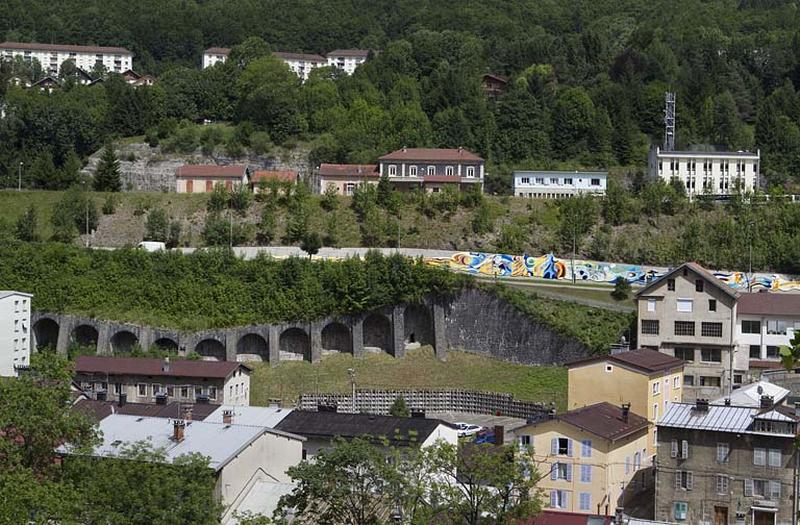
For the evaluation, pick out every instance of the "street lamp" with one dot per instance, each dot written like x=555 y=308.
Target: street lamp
x=19 y=176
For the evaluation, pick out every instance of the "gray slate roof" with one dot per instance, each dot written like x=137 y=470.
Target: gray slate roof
x=749 y=396
x=250 y=415
x=722 y=418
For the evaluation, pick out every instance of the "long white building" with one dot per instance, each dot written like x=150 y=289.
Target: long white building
x=559 y=184
x=15 y=332
x=301 y=63
x=714 y=172
x=51 y=56
x=347 y=59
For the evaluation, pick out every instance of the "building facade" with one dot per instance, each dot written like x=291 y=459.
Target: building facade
x=726 y=464
x=701 y=172
x=765 y=322
x=15 y=329
x=301 y=63
x=646 y=380
x=196 y=178
x=345 y=178
x=690 y=314
x=51 y=56
x=142 y=380
x=261 y=179
x=588 y=457
x=432 y=169
x=347 y=59
x=559 y=184
x=213 y=55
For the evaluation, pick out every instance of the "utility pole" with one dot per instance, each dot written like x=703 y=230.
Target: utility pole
x=352 y=373
x=230 y=223
x=19 y=176
x=87 y=223
x=750 y=250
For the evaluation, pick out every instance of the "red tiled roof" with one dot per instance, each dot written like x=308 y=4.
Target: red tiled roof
x=769 y=303
x=552 y=517
x=265 y=175
x=348 y=170
x=299 y=56
x=153 y=367
x=646 y=360
x=210 y=170
x=217 y=51
x=98 y=410
x=432 y=154
x=349 y=53
x=442 y=178
x=604 y=420
x=63 y=47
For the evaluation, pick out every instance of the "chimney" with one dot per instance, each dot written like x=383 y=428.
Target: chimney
x=766 y=401
x=626 y=410
x=227 y=417
x=186 y=412
x=178 y=429
x=499 y=434
x=460 y=149
x=727 y=401
x=701 y=405
x=123 y=398
x=165 y=365
x=405 y=149
x=551 y=414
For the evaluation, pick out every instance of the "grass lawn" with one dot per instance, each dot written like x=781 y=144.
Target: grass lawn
x=419 y=369
x=594 y=292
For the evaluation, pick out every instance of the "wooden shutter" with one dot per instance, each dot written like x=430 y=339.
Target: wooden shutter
x=569 y=472
x=554 y=472
x=748 y=487
x=673 y=453
x=684 y=449
x=689 y=481
x=189 y=186
x=554 y=446
x=678 y=479
x=553 y=499
x=569 y=447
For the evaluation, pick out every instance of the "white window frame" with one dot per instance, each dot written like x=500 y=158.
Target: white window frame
x=676 y=382
x=470 y=172
x=651 y=305
x=680 y=515
x=412 y=171
x=723 y=484
x=391 y=170
x=774 y=458
x=139 y=388
x=759 y=457
x=212 y=392
x=350 y=188
x=449 y=171
x=656 y=388
x=431 y=170
x=723 y=452
x=684 y=305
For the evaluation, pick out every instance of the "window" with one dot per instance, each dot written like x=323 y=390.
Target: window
x=722 y=484
x=586 y=501
x=709 y=381
x=526 y=180
x=562 y=471
x=637 y=461
x=449 y=171
x=184 y=392
x=627 y=464
x=553 y=180
x=655 y=411
x=586 y=448
x=559 y=499
x=595 y=182
x=759 y=457
x=712 y=305
x=349 y=188
x=412 y=171
x=687 y=354
x=141 y=390
x=651 y=305
x=684 y=327
x=117 y=388
x=711 y=355
x=774 y=489
x=679 y=510
x=157 y=389
x=198 y=391
x=774 y=457
x=656 y=388
x=679 y=449
x=751 y=327
x=688 y=380
x=684 y=480
x=431 y=170
x=671 y=285
x=772 y=351
x=776 y=327
x=392 y=170
x=711 y=329
x=684 y=305
x=762 y=488
x=524 y=441
x=698 y=285
x=586 y=473
x=171 y=391
x=650 y=326
x=212 y=392
x=561 y=447
x=539 y=180
x=723 y=452
x=471 y=171
x=609 y=368
x=755 y=352
x=737 y=379
x=568 y=182
x=676 y=382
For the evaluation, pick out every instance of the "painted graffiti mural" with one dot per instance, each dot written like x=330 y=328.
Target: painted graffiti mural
x=550 y=267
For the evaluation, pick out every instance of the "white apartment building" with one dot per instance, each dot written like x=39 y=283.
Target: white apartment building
x=15 y=329
x=347 y=59
x=212 y=55
x=765 y=322
x=51 y=56
x=559 y=184
x=302 y=63
x=717 y=172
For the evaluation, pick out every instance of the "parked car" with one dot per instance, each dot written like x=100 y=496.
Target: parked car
x=152 y=246
x=467 y=429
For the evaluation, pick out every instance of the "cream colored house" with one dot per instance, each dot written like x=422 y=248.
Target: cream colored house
x=587 y=457
x=197 y=178
x=645 y=379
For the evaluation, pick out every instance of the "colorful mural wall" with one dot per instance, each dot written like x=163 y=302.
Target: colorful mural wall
x=550 y=267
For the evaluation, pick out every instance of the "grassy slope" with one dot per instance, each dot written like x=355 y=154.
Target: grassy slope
x=419 y=369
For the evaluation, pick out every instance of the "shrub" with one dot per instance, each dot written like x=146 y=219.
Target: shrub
x=260 y=143
x=26 y=226
x=77 y=206
x=311 y=244
x=218 y=199
x=156 y=227
x=330 y=199
x=240 y=198
x=219 y=231
x=622 y=289
x=265 y=230
x=174 y=237
x=110 y=205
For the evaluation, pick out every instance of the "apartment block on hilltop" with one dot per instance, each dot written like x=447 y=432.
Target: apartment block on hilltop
x=302 y=64
x=432 y=169
x=645 y=380
x=726 y=464
x=52 y=56
x=347 y=59
x=15 y=330
x=710 y=172
x=559 y=184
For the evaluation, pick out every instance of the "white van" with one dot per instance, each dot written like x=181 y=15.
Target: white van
x=152 y=246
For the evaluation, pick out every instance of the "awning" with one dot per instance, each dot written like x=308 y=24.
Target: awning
x=764 y=509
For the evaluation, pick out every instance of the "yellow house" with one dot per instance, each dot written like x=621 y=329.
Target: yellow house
x=587 y=457
x=646 y=379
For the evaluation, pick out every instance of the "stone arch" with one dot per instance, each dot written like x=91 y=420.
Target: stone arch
x=84 y=335
x=123 y=342
x=418 y=325
x=166 y=343
x=336 y=338
x=295 y=344
x=378 y=332
x=252 y=347
x=210 y=350
x=45 y=334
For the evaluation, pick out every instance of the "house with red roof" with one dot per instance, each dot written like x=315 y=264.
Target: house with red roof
x=201 y=178
x=432 y=169
x=260 y=179
x=345 y=177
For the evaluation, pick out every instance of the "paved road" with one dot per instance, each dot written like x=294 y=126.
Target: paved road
x=250 y=252
x=486 y=421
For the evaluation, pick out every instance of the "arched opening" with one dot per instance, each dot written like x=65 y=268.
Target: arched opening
x=210 y=350
x=85 y=336
x=295 y=345
x=336 y=338
x=123 y=342
x=252 y=347
x=45 y=334
x=417 y=325
x=378 y=333
x=165 y=344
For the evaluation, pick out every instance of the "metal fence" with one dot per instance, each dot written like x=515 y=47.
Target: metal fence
x=446 y=400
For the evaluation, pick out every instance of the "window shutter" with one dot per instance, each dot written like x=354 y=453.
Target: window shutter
x=554 y=446
x=569 y=472
x=748 y=487
x=684 y=449
x=553 y=499
x=677 y=479
x=775 y=489
x=689 y=481
x=569 y=447
x=674 y=451
x=554 y=471
x=566 y=499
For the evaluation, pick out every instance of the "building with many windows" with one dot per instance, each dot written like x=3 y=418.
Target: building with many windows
x=302 y=64
x=432 y=169
x=15 y=330
x=723 y=463
x=213 y=55
x=51 y=56
x=588 y=456
x=765 y=322
x=559 y=184
x=707 y=172
x=347 y=59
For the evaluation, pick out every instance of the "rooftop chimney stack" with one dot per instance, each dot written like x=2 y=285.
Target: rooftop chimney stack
x=499 y=435
x=551 y=414
x=178 y=429
x=727 y=401
x=766 y=401
x=227 y=417
x=123 y=398
x=701 y=405
x=165 y=365
x=186 y=412
x=626 y=410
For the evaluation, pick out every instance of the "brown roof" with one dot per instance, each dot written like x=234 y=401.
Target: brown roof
x=98 y=410
x=211 y=171
x=604 y=420
x=767 y=303
x=708 y=276
x=152 y=367
x=217 y=51
x=349 y=53
x=499 y=78
x=348 y=170
x=63 y=47
x=299 y=56
x=442 y=178
x=432 y=154
x=646 y=360
x=258 y=176
x=765 y=364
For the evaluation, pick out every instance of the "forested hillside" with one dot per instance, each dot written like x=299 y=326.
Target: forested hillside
x=587 y=79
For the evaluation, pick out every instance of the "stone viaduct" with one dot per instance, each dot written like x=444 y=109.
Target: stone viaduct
x=474 y=321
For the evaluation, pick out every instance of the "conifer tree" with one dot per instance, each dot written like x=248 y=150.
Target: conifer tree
x=106 y=177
